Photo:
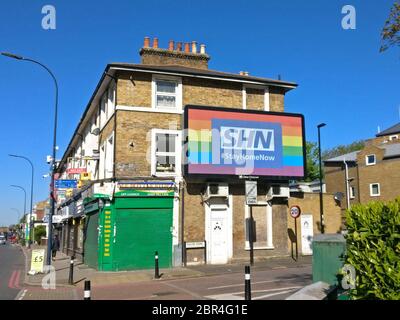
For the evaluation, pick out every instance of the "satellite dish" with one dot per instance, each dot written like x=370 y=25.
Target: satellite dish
x=338 y=196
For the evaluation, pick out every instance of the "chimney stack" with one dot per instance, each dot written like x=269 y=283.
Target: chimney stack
x=187 y=47
x=155 y=43
x=146 y=42
x=186 y=54
x=194 y=47
x=171 y=45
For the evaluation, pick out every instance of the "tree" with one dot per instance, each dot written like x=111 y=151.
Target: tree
x=343 y=149
x=312 y=161
x=391 y=30
x=40 y=231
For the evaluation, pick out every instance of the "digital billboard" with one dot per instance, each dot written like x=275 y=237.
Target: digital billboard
x=236 y=142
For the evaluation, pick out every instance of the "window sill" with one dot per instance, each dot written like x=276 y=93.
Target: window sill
x=260 y=248
x=150 y=109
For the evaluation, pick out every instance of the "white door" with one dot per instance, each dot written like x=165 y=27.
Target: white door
x=217 y=243
x=307 y=233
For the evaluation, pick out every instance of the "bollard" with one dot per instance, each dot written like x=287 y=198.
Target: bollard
x=156 y=270
x=247 y=287
x=86 y=293
x=71 y=271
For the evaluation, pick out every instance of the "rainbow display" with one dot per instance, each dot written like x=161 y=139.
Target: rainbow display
x=243 y=142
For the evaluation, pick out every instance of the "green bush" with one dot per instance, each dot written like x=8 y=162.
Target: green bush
x=39 y=232
x=373 y=249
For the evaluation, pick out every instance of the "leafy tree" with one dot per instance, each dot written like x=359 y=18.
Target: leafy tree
x=312 y=161
x=391 y=30
x=40 y=231
x=343 y=149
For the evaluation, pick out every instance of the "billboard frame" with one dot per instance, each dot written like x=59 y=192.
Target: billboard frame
x=225 y=177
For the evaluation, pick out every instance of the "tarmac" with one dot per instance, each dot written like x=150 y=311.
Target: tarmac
x=33 y=289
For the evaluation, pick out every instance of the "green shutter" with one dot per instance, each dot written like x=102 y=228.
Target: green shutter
x=91 y=240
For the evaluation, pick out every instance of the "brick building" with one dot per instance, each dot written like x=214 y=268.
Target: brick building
x=372 y=173
x=132 y=197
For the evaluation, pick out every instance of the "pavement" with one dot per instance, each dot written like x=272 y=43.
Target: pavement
x=192 y=282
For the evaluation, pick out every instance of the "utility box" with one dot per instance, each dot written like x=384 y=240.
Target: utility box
x=328 y=257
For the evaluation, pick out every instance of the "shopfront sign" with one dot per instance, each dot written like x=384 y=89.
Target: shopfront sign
x=76 y=170
x=231 y=142
x=37 y=261
x=65 y=184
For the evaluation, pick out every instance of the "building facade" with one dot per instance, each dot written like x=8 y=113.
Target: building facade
x=372 y=173
x=132 y=197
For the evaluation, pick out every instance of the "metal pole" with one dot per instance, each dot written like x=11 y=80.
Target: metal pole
x=71 y=271
x=31 y=224
x=53 y=162
x=321 y=204
x=251 y=235
x=295 y=229
x=247 y=285
x=86 y=293
x=156 y=270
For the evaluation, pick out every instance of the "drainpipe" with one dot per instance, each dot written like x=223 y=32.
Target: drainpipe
x=347 y=183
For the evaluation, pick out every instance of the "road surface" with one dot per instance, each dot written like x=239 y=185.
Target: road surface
x=12 y=268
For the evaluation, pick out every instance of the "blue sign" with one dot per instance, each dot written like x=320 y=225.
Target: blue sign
x=66 y=184
x=239 y=143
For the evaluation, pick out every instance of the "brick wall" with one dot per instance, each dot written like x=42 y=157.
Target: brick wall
x=133 y=140
x=254 y=99
x=276 y=99
x=134 y=89
x=309 y=204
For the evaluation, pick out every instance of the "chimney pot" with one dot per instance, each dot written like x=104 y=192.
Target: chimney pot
x=179 y=46
x=187 y=47
x=146 y=43
x=171 y=45
x=155 y=43
x=203 y=49
x=194 y=47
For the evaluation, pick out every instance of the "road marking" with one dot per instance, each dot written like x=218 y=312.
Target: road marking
x=16 y=280
x=239 y=285
x=11 y=281
x=22 y=294
x=193 y=294
x=237 y=295
x=272 y=294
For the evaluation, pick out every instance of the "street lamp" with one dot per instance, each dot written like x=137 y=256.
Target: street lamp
x=31 y=224
x=18 y=213
x=321 y=201
x=53 y=161
x=19 y=187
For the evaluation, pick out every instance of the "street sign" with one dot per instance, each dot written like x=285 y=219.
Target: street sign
x=196 y=244
x=37 y=261
x=66 y=184
x=251 y=192
x=76 y=170
x=295 y=211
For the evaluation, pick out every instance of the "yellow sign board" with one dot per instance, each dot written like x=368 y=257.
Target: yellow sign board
x=85 y=176
x=37 y=260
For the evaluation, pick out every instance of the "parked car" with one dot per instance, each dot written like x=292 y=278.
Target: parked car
x=2 y=239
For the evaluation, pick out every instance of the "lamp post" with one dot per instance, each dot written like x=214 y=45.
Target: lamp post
x=321 y=200
x=19 y=187
x=53 y=160
x=18 y=221
x=31 y=224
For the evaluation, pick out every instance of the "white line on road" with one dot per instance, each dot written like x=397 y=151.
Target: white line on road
x=272 y=294
x=239 y=285
x=237 y=295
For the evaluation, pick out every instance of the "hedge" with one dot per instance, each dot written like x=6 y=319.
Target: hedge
x=373 y=249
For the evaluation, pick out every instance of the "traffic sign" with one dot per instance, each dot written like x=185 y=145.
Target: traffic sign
x=295 y=211
x=251 y=192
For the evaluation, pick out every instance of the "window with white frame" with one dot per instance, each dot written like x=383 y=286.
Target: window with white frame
x=167 y=93
x=352 y=192
x=103 y=110
x=102 y=161
x=109 y=157
x=370 y=159
x=374 y=189
x=110 y=100
x=166 y=152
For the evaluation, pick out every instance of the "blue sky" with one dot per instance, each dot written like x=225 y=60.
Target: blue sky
x=343 y=79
